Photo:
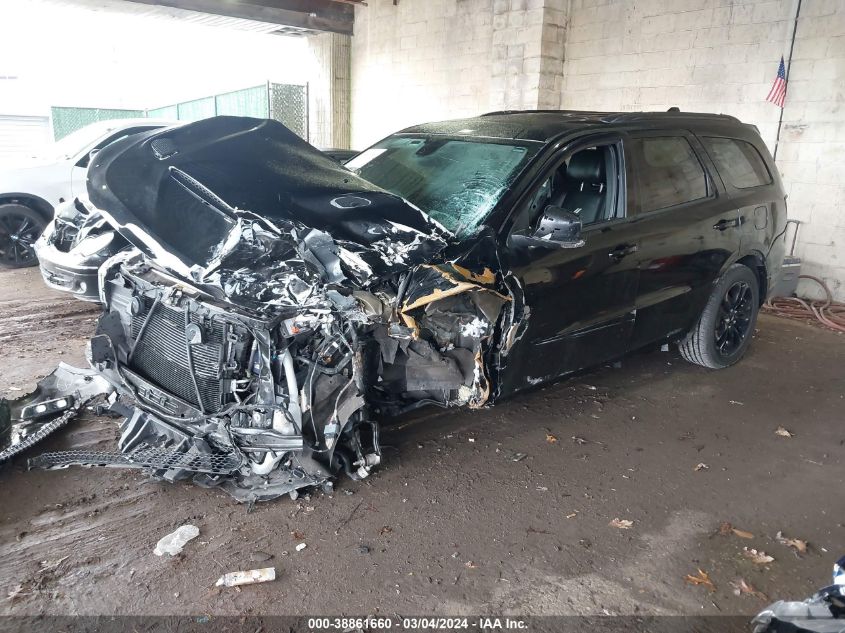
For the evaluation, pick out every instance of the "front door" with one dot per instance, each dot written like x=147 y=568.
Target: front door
x=580 y=300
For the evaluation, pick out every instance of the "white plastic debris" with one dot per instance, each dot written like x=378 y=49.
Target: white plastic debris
x=301 y=547
x=249 y=577
x=174 y=542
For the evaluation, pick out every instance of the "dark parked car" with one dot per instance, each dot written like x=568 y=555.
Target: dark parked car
x=273 y=305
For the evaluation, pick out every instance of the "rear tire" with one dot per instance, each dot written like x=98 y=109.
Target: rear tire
x=724 y=330
x=20 y=227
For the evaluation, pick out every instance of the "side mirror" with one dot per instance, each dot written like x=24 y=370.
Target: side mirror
x=85 y=161
x=560 y=228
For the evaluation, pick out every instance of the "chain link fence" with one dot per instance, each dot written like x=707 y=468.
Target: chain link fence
x=286 y=103
x=67 y=120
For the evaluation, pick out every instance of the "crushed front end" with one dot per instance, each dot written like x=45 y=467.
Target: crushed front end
x=255 y=349
x=261 y=404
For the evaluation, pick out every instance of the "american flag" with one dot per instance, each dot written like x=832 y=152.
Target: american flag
x=777 y=94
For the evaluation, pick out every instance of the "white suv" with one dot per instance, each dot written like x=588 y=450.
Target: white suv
x=31 y=188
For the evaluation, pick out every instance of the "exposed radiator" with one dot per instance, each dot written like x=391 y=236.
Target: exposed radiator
x=162 y=358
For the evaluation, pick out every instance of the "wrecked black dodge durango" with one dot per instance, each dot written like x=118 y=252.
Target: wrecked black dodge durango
x=264 y=306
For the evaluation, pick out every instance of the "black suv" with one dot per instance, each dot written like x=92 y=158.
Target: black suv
x=624 y=228
x=265 y=306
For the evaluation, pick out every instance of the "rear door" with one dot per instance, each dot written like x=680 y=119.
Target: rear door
x=750 y=184
x=687 y=230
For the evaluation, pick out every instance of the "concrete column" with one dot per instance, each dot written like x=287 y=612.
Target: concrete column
x=329 y=91
x=528 y=53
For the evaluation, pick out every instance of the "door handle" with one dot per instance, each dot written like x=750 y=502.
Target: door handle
x=622 y=250
x=723 y=224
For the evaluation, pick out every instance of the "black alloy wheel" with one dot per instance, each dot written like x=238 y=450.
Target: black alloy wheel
x=723 y=331
x=20 y=227
x=734 y=321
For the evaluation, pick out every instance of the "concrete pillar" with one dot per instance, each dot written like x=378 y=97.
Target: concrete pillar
x=528 y=54
x=329 y=91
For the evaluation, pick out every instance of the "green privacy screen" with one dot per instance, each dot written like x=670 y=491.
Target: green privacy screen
x=67 y=120
x=247 y=102
x=167 y=113
x=287 y=103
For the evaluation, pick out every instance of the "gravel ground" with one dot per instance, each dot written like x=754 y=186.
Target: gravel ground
x=455 y=521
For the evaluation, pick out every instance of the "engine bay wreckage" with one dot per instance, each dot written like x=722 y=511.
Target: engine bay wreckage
x=265 y=308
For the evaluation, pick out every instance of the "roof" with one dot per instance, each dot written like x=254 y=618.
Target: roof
x=545 y=125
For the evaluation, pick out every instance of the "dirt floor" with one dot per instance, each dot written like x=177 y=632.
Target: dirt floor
x=504 y=510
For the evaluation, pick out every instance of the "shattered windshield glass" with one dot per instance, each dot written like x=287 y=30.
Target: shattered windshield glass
x=455 y=181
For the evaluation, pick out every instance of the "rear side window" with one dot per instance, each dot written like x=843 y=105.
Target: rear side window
x=668 y=172
x=738 y=162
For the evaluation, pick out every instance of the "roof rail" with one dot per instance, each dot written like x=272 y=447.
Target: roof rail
x=564 y=112
x=619 y=117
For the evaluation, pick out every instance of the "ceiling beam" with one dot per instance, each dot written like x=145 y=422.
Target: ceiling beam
x=316 y=15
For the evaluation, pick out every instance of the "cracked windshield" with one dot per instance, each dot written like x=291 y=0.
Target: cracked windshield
x=456 y=182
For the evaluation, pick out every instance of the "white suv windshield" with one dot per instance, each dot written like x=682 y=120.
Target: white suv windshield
x=455 y=181
x=73 y=144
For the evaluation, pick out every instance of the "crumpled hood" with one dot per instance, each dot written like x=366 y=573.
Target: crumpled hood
x=233 y=199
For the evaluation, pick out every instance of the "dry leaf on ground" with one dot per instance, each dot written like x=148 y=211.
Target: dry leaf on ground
x=551 y=439
x=385 y=530
x=622 y=524
x=795 y=543
x=700 y=579
x=757 y=557
x=726 y=529
x=742 y=533
x=741 y=587
x=16 y=592
x=783 y=432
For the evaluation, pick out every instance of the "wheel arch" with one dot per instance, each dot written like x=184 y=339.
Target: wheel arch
x=36 y=203
x=757 y=263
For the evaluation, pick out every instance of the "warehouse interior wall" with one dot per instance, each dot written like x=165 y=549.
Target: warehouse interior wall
x=722 y=56
x=424 y=60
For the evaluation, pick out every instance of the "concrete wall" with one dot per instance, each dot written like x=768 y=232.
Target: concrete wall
x=722 y=56
x=811 y=155
x=418 y=61
x=423 y=60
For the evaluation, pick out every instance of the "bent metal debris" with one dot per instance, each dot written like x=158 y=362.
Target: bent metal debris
x=262 y=307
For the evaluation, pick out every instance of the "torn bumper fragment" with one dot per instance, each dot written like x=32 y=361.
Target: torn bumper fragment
x=267 y=304
x=56 y=401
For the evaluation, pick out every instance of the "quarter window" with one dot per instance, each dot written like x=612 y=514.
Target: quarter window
x=738 y=162
x=668 y=172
